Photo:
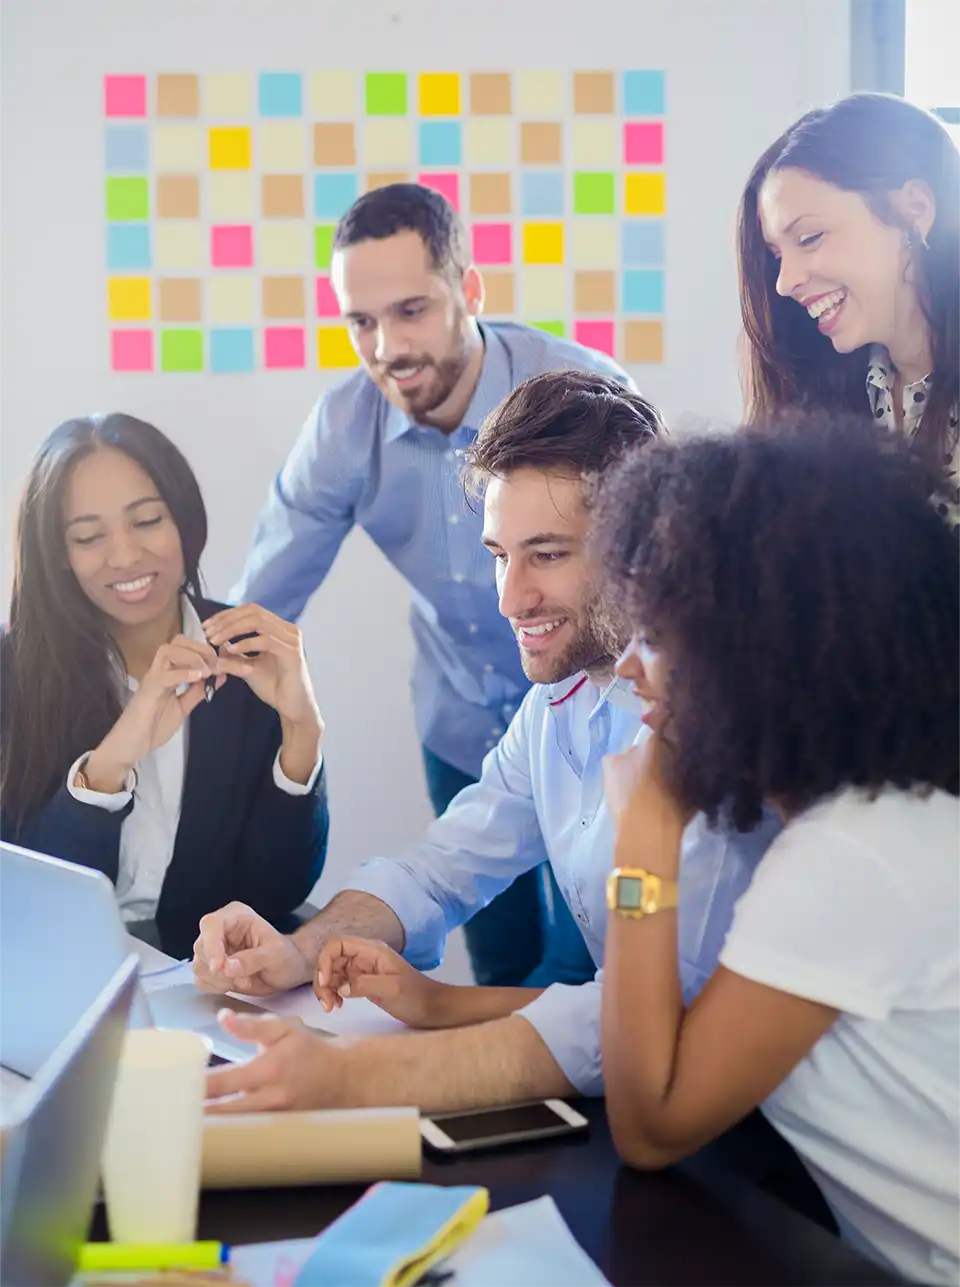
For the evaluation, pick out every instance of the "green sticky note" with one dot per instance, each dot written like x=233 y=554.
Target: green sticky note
x=386 y=93
x=552 y=328
x=323 y=243
x=594 y=193
x=181 y=350
x=128 y=199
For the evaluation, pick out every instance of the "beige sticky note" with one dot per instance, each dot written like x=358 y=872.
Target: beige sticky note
x=284 y=245
x=593 y=242
x=284 y=297
x=178 y=147
x=544 y=290
x=230 y=195
x=594 y=291
x=179 y=299
x=178 y=95
x=490 y=194
x=594 y=93
x=227 y=94
x=178 y=245
x=499 y=298
x=643 y=342
x=231 y=298
x=178 y=196
x=333 y=95
x=541 y=143
x=386 y=142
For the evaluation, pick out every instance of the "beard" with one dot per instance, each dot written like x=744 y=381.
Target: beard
x=443 y=375
x=594 y=646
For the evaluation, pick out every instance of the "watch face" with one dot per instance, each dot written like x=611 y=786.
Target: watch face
x=630 y=892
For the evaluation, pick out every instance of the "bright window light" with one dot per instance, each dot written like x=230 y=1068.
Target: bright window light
x=932 y=69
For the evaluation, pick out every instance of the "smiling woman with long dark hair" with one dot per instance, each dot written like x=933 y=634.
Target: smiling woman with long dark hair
x=849 y=259
x=168 y=741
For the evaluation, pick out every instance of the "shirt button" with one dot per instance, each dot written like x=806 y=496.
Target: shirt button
x=581 y=918
x=583 y=822
x=508 y=710
x=473 y=627
x=490 y=745
x=487 y=668
x=497 y=732
x=458 y=576
x=453 y=518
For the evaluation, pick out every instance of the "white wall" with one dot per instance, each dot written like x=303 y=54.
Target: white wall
x=738 y=72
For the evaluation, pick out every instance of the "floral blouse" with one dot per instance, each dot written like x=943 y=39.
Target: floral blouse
x=880 y=386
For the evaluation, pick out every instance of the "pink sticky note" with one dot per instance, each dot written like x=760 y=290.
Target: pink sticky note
x=448 y=185
x=492 y=243
x=131 y=350
x=284 y=347
x=231 y=246
x=595 y=335
x=125 y=95
x=327 y=305
x=643 y=143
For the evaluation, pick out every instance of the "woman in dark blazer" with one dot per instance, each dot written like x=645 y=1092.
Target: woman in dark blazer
x=170 y=742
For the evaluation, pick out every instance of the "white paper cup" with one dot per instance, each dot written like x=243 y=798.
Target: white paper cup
x=153 y=1147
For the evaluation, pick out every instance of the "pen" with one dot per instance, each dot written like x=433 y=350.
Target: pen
x=101 y=1256
x=210 y=684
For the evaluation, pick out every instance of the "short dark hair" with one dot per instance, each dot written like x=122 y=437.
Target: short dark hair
x=808 y=595
x=565 y=422
x=408 y=207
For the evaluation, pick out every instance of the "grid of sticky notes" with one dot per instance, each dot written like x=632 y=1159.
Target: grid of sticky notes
x=222 y=193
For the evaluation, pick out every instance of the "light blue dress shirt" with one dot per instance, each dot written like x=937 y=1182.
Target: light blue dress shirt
x=361 y=460
x=540 y=796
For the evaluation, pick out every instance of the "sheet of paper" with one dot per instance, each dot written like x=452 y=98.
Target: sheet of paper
x=528 y=1244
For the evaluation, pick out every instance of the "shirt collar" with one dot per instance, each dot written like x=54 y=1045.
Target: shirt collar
x=617 y=693
x=192 y=627
x=495 y=382
x=881 y=375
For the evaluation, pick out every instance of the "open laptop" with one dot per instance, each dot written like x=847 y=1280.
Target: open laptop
x=50 y=1166
x=61 y=938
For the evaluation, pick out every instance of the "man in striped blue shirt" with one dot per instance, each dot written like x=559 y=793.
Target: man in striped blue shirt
x=381 y=450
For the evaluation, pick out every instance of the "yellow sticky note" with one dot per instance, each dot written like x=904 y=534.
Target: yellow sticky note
x=644 y=193
x=128 y=299
x=543 y=243
x=230 y=147
x=334 y=348
x=387 y=143
x=539 y=95
x=594 y=143
x=178 y=148
x=544 y=292
x=333 y=95
x=439 y=94
x=594 y=242
x=227 y=94
x=231 y=298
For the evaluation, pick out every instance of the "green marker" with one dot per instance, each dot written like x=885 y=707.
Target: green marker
x=104 y=1256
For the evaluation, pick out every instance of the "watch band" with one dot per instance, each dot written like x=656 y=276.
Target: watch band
x=635 y=893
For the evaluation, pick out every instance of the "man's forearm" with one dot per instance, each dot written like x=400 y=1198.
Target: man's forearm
x=355 y=914
x=502 y=1062
x=461 y=1004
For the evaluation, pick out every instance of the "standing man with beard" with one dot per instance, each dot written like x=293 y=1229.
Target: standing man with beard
x=540 y=796
x=380 y=450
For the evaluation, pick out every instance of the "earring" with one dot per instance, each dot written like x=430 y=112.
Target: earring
x=913 y=237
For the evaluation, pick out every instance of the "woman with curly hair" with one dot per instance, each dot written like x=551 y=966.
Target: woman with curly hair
x=849 y=261
x=795 y=603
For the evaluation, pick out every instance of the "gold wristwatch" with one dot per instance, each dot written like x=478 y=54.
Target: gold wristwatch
x=636 y=893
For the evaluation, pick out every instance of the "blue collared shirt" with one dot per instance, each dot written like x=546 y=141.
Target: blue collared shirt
x=361 y=460
x=540 y=796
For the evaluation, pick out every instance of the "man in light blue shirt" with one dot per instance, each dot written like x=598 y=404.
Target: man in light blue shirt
x=540 y=796
x=381 y=450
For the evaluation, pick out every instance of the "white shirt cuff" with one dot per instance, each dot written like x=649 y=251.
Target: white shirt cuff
x=113 y=802
x=295 y=788
x=567 y=1017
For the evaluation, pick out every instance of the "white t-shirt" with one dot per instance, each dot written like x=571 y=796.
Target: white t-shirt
x=857 y=905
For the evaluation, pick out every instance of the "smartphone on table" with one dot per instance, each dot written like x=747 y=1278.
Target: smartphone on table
x=492 y=1127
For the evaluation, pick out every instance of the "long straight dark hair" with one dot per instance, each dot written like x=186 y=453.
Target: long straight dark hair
x=872 y=144
x=60 y=690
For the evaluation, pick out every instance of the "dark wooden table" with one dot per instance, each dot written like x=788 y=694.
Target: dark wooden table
x=693 y=1224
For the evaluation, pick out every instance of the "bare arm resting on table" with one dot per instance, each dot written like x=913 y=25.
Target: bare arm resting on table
x=490 y=1063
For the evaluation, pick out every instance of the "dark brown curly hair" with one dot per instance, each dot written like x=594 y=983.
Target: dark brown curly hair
x=808 y=597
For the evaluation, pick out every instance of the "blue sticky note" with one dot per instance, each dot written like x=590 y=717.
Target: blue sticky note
x=541 y=194
x=281 y=94
x=641 y=242
x=126 y=148
x=231 y=349
x=128 y=246
x=333 y=194
x=642 y=291
x=644 y=93
x=440 y=143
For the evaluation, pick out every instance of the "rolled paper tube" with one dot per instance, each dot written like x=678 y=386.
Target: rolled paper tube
x=328 y=1146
